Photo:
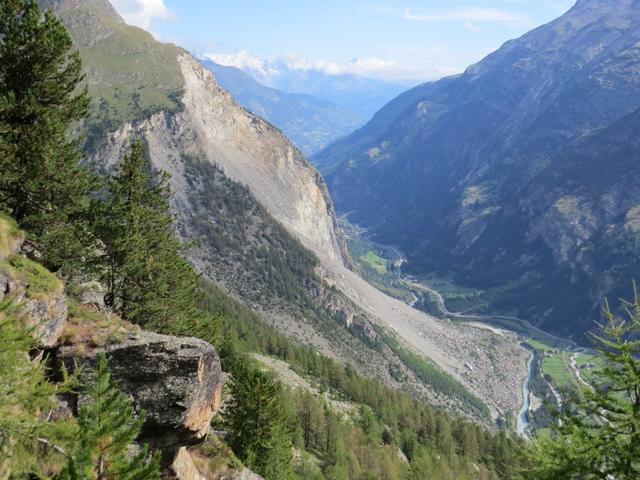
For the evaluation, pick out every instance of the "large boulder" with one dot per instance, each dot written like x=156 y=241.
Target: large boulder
x=91 y=293
x=176 y=381
x=183 y=467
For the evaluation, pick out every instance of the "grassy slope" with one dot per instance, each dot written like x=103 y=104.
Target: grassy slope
x=130 y=75
x=555 y=364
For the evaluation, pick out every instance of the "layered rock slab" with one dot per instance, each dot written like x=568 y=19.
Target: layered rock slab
x=177 y=382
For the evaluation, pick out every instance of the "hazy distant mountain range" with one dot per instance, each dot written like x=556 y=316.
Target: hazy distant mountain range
x=360 y=95
x=310 y=122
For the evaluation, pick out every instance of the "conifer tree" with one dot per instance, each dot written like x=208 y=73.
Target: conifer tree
x=25 y=394
x=257 y=424
x=599 y=433
x=42 y=184
x=335 y=460
x=107 y=429
x=147 y=278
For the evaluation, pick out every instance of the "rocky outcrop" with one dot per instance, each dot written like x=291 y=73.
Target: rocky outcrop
x=37 y=294
x=91 y=293
x=342 y=309
x=176 y=381
x=46 y=314
x=183 y=467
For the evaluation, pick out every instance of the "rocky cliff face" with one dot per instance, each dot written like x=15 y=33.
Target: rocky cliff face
x=252 y=152
x=513 y=174
x=193 y=116
x=39 y=295
x=206 y=122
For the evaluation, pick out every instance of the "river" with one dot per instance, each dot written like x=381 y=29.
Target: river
x=522 y=423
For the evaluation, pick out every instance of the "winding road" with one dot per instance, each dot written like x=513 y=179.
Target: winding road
x=461 y=315
x=576 y=370
x=414 y=301
x=522 y=423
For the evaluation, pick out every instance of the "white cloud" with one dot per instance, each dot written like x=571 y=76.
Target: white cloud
x=373 y=67
x=469 y=16
x=142 y=12
x=244 y=60
x=241 y=59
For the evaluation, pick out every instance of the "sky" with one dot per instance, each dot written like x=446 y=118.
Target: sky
x=404 y=41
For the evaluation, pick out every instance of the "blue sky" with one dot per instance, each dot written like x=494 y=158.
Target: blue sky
x=409 y=40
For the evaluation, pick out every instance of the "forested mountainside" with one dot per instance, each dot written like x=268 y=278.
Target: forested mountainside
x=126 y=363
x=310 y=122
x=163 y=391
x=191 y=127
x=515 y=177
x=108 y=368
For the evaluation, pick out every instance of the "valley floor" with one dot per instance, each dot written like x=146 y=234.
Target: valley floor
x=492 y=366
x=484 y=352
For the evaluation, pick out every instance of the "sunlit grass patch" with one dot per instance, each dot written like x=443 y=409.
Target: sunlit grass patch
x=376 y=262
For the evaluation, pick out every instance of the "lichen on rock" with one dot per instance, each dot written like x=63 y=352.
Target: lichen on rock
x=176 y=381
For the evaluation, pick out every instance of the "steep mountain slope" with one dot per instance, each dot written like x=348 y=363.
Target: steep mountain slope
x=310 y=122
x=132 y=77
x=265 y=226
x=516 y=175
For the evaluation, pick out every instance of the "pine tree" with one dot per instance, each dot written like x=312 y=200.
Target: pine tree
x=27 y=443
x=42 y=184
x=107 y=430
x=599 y=433
x=468 y=440
x=335 y=460
x=147 y=278
x=257 y=424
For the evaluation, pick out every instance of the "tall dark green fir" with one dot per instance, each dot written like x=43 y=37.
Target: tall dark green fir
x=42 y=184
x=258 y=424
x=147 y=277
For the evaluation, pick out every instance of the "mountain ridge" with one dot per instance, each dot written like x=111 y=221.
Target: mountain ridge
x=475 y=175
